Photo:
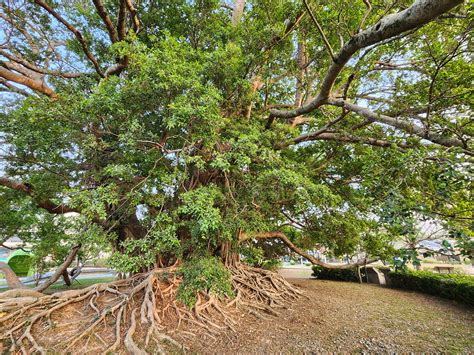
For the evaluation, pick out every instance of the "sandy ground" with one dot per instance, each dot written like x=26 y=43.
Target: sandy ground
x=349 y=317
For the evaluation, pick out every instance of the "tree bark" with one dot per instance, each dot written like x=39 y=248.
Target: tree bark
x=66 y=278
x=401 y=124
x=48 y=205
x=36 y=85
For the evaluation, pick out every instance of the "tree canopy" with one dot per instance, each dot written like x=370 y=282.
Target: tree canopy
x=183 y=135
x=182 y=128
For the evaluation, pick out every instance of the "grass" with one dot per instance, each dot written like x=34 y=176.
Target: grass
x=82 y=283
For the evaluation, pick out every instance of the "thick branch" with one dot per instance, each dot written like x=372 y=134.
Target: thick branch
x=60 y=270
x=121 y=18
x=237 y=12
x=310 y=258
x=406 y=126
x=12 y=279
x=420 y=13
x=78 y=34
x=107 y=21
x=48 y=205
x=347 y=138
x=38 y=86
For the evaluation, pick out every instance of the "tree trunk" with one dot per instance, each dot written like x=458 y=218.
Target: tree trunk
x=66 y=278
x=229 y=256
x=238 y=12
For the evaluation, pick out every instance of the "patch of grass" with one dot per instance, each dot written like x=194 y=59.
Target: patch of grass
x=76 y=285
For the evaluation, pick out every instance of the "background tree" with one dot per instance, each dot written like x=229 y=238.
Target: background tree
x=178 y=132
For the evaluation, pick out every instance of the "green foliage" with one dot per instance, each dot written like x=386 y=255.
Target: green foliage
x=463 y=241
x=204 y=274
x=136 y=254
x=379 y=244
x=265 y=256
x=174 y=155
x=452 y=286
x=404 y=257
x=200 y=206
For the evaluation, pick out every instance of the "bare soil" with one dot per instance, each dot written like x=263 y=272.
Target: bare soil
x=349 y=317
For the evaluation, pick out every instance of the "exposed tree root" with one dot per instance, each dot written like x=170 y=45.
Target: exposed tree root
x=140 y=314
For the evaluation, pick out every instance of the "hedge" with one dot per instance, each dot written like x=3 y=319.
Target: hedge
x=323 y=273
x=452 y=286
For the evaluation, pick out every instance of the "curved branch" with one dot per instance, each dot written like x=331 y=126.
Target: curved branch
x=35 y=85
x=310 y=258
x=419 y=14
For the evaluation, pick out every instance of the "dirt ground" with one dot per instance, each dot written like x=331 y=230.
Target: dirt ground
x=332 y=317
x=349 y=317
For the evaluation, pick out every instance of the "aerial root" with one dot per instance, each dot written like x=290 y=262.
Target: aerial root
x=262 y=290
x=140 y=314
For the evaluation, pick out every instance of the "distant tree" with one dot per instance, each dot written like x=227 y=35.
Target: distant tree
x=180 y=130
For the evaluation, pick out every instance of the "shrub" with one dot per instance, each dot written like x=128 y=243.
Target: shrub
x=204 y=274
x=335 y=274
x=452 y=286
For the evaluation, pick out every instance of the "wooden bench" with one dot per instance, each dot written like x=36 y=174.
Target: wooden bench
x=444 y=268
